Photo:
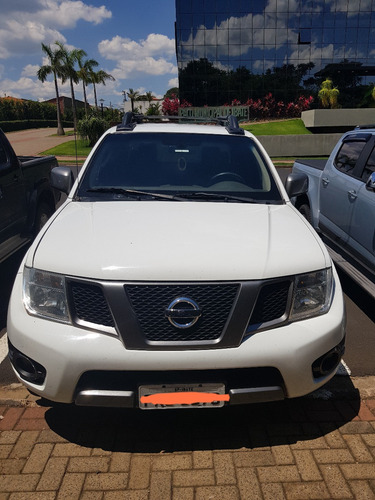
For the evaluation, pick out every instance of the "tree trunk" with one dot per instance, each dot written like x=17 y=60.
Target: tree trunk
x=84 y=96
x=96 y=101
x=74 y=109
x=60 y=130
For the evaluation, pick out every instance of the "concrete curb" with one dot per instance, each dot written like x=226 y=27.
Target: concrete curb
x=339 y=388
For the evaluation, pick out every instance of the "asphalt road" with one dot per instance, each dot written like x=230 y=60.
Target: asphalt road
x=360 y=345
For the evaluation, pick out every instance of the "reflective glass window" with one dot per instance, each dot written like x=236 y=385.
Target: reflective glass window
x=186 y=21
x=222 y=21
x=210 y=20
x=259 y=5
x=351 y=35
x=281 y=6
x=184 y=7
x=352 y=19
x=353 y=5
x=339 y=36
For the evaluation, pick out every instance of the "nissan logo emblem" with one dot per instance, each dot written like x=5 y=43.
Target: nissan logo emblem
x=183 y=312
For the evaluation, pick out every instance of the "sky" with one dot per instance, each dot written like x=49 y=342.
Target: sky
x=133 y=40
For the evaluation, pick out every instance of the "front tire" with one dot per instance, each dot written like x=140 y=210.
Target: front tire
x=43 y=213
x=305 y=211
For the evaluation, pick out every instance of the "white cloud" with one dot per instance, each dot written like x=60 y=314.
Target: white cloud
x=173 y=82
x=30 y=70
x=65 y=14
x=124 y=48
x=153 y=56
x=26 y=25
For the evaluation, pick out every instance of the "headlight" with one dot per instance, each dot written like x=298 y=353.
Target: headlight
x=44 y=294
x=312 y=294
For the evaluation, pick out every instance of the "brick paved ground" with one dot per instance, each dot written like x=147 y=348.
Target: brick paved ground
x=299 y=449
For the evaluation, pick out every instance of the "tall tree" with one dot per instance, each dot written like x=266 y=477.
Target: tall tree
x=85 y=68
x=149 y=96
x=133 y=96
x=53 y=67
x=69 y=60
x=98 y=77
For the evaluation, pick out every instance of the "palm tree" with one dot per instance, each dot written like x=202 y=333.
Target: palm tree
x=133 y=96
x=85 y=68
x=55 y=68
x=97 y=77
x=69 y=58
x=328 y=94
x=149 y=96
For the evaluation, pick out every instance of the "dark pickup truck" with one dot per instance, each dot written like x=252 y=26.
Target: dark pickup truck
x=27 y=199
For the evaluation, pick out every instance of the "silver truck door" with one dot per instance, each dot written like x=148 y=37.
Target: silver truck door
x=339 y=190
x=362 y=229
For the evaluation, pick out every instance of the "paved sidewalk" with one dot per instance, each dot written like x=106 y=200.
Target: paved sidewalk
x=308 y=448
x=34 y=141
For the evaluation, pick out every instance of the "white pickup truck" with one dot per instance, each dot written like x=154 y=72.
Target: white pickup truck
x=177 y=274
x=340 y=203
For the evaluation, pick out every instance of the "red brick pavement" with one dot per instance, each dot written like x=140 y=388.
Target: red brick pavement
x=297 y=449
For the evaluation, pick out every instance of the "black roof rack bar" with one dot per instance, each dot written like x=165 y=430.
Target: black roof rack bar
x=233 y=127
x=130 y=121
x=364 y=127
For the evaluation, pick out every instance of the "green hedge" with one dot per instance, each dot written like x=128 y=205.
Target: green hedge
x=12 y=126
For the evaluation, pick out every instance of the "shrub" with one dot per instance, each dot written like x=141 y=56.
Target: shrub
x=268 y=107
x=92 y=128
x=153 y=110
x=328 y=94
x=17 y=109
x=170 y=105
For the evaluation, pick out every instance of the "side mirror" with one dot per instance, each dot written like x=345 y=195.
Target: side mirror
x=370 y=184
x=296 y=184
x=62 y=179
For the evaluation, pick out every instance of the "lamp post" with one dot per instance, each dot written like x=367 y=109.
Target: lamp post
x=124 y=98
x=101 y=105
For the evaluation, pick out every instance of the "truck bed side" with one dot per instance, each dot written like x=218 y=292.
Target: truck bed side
x=313 y=169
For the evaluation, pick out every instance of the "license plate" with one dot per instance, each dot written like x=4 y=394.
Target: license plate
x=169 y=396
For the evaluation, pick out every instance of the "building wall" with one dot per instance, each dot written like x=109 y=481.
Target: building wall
x=142 y=106
x=239 y=49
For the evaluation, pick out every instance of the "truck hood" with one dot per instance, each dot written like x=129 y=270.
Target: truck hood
x=184 y=241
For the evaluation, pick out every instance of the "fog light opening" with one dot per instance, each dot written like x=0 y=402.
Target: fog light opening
x=27 y=368
x=325 y=365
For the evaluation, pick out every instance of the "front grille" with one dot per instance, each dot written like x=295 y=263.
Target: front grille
x=271 y=303
x=90 y=305
x=138 y=311
x=150 y=302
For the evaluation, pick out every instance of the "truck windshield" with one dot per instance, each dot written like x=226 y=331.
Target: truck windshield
x=183 y=166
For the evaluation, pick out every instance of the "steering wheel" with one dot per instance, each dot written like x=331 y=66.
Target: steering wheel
x=227 y=176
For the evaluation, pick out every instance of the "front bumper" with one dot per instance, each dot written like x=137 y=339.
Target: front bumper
x=92 y=368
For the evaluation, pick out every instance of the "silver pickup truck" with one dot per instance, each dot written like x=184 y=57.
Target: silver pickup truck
x=340 y=202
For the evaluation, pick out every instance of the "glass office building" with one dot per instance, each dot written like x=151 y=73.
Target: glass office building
x=241 y=49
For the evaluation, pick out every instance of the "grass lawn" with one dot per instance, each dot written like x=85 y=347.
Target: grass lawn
x=284 y=127
x=69 y=149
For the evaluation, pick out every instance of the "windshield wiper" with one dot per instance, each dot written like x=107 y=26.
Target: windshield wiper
x=134 y=192
x=216 y=196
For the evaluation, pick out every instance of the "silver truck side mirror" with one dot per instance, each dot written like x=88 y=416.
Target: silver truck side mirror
x=370 y=184
x=62 y=179
x=296 y=184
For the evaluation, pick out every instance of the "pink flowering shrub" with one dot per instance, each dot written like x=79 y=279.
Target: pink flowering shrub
x=170 y=105
x=268 y=107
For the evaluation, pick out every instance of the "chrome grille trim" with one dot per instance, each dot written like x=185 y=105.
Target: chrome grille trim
x=245 y=308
